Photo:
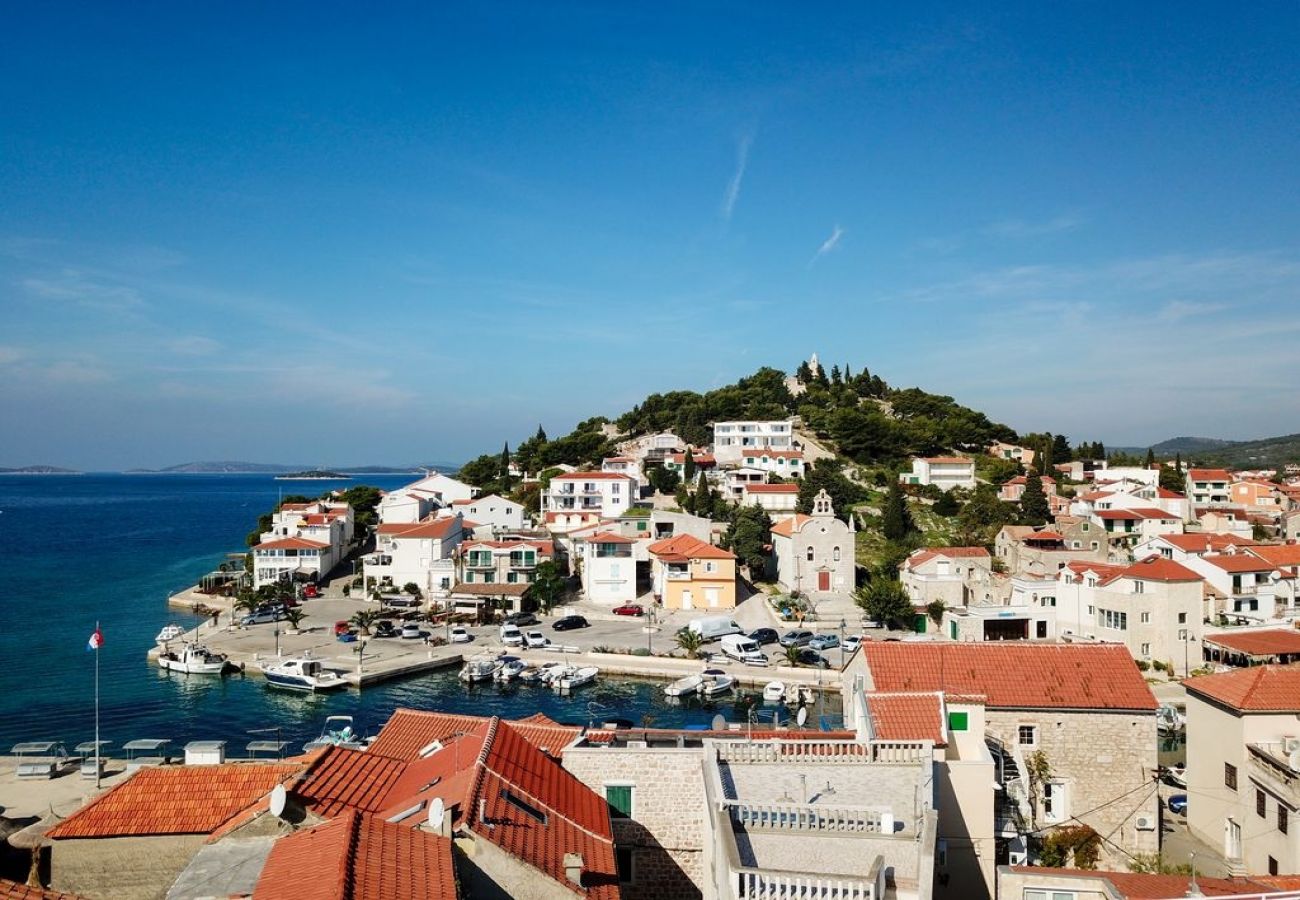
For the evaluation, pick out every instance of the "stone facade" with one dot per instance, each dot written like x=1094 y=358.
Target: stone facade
x=815 y=554
x=1098 y=756
x=667 y=831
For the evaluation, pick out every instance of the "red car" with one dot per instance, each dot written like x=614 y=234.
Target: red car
x=630 y=609
x=341 y=627
x=310 y=592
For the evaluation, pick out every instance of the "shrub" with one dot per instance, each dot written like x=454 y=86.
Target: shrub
x=1143 y=665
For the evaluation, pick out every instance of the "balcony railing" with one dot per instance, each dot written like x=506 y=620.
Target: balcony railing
x=771 y=884
x=824 y=751
x=804 y=817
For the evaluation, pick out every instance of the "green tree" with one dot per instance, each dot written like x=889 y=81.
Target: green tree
x=1061 y=448
x=689 y=641
x=826 y=474
x=1155 y=864
x=792 y=655
x=1151 y=458
x=983 y=515
x=749 y=534
x=1034 y=508
x=548 y=585
x=505 y=469
x=688 y=465
x=946 y=505
x=364 y=618
x=885 y=600
x=294 y=616
x=896 y=518
x=663 y=480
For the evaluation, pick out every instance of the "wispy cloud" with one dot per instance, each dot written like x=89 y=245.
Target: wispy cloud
x=193 y=345
x=83 y=289
x=828 y=245
x=1020 y=228
x=732 y=193
x=1177 y=310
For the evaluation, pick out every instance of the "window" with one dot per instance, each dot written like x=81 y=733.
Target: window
x=1027 y=735
x=1272 y=866
x=1055 y=802
x=1182 y=634
x=1095 y=545
x=1084 y=527
x=1139 y=587
x=1182 y=618
x=613 y=570
x=619 y=798
x=1146 y=650
x=524 y=806
x=835 y=554
x=1230 y=776
x=1109 y=618
x=623 y=862
x=958 y=721
x=710 y=567
x=1146 y=618
x=512 y=577
x=1282 y=822
x=810 y=554
x=1261 y=804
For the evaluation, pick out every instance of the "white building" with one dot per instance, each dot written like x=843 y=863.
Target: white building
x=946 y=472
x=1208 y=486
x=731 y=440
x=419 y=553
x=608 y=494
x=291 y=559
x=609 y=568
x=305 y=541
x=780 y=500
x=499 y=514
x=786 y=463
x=1243 y=581
x=623 y=465
x=738 y=479
x=954 y=575
x=417 y=500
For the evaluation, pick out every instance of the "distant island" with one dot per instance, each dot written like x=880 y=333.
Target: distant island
x=313 y=475
x=288 y=471
x=38 y=470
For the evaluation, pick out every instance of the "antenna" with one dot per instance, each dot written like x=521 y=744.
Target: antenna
x=279 y=797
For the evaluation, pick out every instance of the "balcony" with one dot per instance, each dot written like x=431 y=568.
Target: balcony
x=377 y=559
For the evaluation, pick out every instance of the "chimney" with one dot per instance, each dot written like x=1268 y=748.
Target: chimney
x=573 y=868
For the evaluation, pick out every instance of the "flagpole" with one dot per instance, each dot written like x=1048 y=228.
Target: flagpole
x=98 y=768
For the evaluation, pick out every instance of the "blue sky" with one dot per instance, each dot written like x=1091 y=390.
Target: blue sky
x=319 y=233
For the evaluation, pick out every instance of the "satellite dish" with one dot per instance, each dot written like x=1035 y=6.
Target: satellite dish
x=279 y=797
x=802 y=717
x=719 y=723
x=435 y=813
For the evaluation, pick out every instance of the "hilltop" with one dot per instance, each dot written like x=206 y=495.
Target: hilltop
x=38 y=470
x=250 y=468
x=1270 y=452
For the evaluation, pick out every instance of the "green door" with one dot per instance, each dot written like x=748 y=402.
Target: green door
x=952 y=630
x=919 y=623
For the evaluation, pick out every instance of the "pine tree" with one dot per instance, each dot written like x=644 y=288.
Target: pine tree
x=1178 y=463
x=835 y=375
x=848 y=375
x=896 y=518
x=804 y=373
x=703 y=497
x=1151 y=458
x=505 y=468
x=1034 y=508
x=1061 y=449
x=540 y=437
x=688 y=465
x=1046 y=456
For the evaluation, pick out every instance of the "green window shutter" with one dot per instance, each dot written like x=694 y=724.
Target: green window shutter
x=512 y=577
x=958 y=721
x=619 y=798
x=489 y=577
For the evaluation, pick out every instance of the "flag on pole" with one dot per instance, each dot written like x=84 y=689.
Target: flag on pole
x=96 y=640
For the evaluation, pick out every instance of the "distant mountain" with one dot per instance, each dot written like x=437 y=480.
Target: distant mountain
x=1187 y=445
x=249 y=468
x=38 y=470
x=1263 y=453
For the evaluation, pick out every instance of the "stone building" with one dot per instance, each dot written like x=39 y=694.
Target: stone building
x=815 y=554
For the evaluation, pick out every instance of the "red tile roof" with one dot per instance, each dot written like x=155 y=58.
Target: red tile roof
x=546 y=548
x=1209 y=474
x=1135 y=886
x=787 y=527
x=12 y=890
x=411 y=730
x=1013 y=675
x=948 y=459
x=1205 y=542
x=290 y=543
x=926 y=554
x=1166 y=494
x=689 y=547
x=609 y=537
x=340 y=779
x=771 y=488
x=1278 y=554
x=358 y=857
x=1256 y=689
x=1044 y=535
x=432 y=529
x=1157 y=568
x=1238 y=562
x=1268 y=642
x=1135 y=513
x=175 y=800
x=907 y=717
x=593 y=476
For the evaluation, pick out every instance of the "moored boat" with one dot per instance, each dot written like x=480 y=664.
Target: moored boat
x=714 y=682
x=170 y=632
x=194 y=659
x=1169 y=720
x=338 y=732
x=480 y=668
x=511 y=668
x=684 y=687
x=774 y=692
x=302 y=673
x=575 y=677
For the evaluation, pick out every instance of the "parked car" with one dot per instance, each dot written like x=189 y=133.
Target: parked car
x=1178 y=804
x=310 y=591
x=812 y=659
x=411 y=632
x=347 y=637
x=851 y=644
x=629 y=609
x=341 y=626
x=460 y=635
x=522 y=618
x=535 y=640
x=262 y=616
x=384 y=629
x=796 y=638
x=764 y=636
x=511 y=636
x=568 y=623
x=824 y=642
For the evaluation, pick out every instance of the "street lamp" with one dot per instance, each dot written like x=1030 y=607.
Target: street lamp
x=843 y=625
x=650 y=631
x=277 y=640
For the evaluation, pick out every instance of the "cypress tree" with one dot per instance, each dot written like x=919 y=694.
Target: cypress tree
x=688 y=465
x=896 y=518
x=1034 y=508
x=505 y=468
x=1151 y=458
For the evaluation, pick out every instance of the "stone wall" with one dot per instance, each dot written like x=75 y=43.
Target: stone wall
x=1101 y=756
x=668 y=829
x=127 y=868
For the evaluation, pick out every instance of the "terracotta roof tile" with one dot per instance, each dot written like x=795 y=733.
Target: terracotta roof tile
x=1209 y=474
x=1238 y=562
x=411 y=730
x=12 y=890
x=593 y=476
x=1206 y=542
x=434 y=529
x=609 y=537
x=904 y=717
x=1157 y=568
x=954 y=460
x=1013 y=675
x=689 y=547
x=290 y=543
x=1278 y=554
x=771 y=488
x=1267 y=642
x=175 y=800
x=1256 y=689
x=1135 y=886
x=787 y=527
x=358 y=857
x=342 y=779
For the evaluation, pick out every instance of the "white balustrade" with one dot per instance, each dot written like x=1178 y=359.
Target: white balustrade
x=809 y=817
x=756 y=884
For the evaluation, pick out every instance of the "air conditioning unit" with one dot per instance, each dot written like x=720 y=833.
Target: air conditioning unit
x=1146 y=823
x=1290 y=743
x=637 y=745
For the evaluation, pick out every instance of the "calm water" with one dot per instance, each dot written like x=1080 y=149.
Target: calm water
x=77 y=549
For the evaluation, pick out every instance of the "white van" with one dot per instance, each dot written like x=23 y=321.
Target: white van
x=744 y=648
x=511 y=636
x=710 y=628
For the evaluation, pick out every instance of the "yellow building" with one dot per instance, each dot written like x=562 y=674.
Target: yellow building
x=690 y=574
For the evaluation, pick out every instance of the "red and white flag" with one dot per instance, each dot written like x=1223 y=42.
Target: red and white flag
x=96 y=640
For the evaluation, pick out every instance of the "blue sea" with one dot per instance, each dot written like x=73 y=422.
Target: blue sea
x=110 y=548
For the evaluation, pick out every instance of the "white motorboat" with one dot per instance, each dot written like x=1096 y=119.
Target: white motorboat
x=302 y=673
x=1176 y=775
x=338 y=732
x=774 y=692
x=480 y=668
x=1169 y=720
x=170 y=632
x=684 y=687
x=547 y=672
x=715 y=682
x=511 y=668
x=194 y=659
x=800 y=695
x=575 y=677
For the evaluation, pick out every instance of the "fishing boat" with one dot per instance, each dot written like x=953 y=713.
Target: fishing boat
x=480 y=668
x=684 y=687
x=302 y=673
x=511 y=668
x=538 y=675
x=194 y=659
x=170 y=632
x=714 y=682
x=338 y=732
x=574 y=677
x=1169 y=720
x=774 y=692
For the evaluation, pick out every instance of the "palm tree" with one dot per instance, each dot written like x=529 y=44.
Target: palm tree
x=247 y=601
x=690 y=641
x=792 y=655
x=363 y=619
x=294 y=616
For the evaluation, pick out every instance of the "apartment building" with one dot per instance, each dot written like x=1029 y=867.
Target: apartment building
x=732 y=440
x=688 y=573
x=946 y=472
x=608 y=494
x=1207 y=487
x=422 y=554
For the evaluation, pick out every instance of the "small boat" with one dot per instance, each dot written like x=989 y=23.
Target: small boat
x=338 y=732
x=800 y=695
x=194 y=659
x=543 y=674
x=774 y=692
x=511 y=668
x=480 y=668
x=575 y=677
x=684 y=687
x=170 y=632
x=715 y=682
x=1176 y=775
x=1169 y=719
x=302 y=673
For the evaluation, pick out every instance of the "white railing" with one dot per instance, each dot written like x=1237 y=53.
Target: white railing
x=809 y=817
x=768 y=884
x=778 y=751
